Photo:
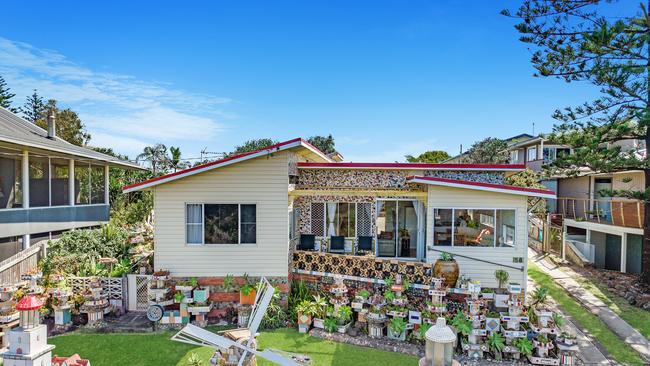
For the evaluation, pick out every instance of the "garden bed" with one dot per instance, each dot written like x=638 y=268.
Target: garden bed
x=362 y=340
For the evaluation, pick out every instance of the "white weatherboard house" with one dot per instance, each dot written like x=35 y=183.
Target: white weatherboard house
x=255 y=212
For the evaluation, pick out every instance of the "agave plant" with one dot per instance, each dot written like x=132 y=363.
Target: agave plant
x=501 y=276
x=540 y=295
x=496 y=343
x=524 y=346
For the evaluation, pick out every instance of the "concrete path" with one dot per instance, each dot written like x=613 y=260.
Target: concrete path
x=619 y=326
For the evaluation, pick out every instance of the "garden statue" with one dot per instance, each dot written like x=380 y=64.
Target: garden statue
x=28 y=342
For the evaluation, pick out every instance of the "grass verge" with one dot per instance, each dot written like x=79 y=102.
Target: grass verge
x=638 y=318
x=617 y=348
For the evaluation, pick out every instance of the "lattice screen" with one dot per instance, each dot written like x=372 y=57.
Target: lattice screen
x=111 y=286
x=364 y=219
x=142 y=292
x=318 y=218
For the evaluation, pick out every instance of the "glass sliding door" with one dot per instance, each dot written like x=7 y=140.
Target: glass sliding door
x=398 y=228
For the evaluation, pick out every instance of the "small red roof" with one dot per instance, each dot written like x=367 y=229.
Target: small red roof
x=412 y=166
x=491 y=187
x=29 y=302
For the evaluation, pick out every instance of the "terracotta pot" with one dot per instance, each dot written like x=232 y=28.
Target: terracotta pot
x=448 y=270
x=247 y=300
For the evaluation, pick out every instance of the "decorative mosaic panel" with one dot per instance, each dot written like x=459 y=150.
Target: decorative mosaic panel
x=483 y=177
x=362 y=266
x=384 y=179
x=364 y=219
x=317 y=216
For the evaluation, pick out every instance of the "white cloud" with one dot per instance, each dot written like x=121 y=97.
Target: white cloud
x=118 y=109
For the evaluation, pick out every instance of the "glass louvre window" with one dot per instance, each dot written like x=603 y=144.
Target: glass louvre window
x=474 y=227
x=221 y=223
x=318 y=218
x=248 y=224
x=194 y=224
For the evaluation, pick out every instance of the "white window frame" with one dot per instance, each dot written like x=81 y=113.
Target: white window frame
x=453 y=226
x=528 y=150
x=325 y=216
x=239 y=204
x=514 y=156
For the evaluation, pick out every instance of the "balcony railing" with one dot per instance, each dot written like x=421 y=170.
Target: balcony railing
x=619 y=212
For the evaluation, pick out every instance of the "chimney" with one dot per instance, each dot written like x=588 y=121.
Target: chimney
x=51 y=125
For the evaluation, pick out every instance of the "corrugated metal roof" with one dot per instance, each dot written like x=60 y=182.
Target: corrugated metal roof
x=16 y=130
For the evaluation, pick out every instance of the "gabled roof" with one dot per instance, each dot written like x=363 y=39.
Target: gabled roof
x=18 y=131
x=479 y=186
x=297 y=142
x=414 y=166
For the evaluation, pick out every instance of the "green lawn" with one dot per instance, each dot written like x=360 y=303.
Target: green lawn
x=157 y=350
x=617 y=348
x=636 y=317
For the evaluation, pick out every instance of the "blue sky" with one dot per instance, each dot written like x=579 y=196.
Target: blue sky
x=386 y=78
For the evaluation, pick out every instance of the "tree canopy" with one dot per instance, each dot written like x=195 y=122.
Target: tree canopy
x=68 y=124
x=431 y=156
x=323 y=143
x=6 y=95
x=488 y=151
x=588 y=41
x=252 y=145
x=34 y=107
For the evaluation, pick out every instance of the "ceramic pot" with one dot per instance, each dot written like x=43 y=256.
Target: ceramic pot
x=448 y=270
x=247 y=300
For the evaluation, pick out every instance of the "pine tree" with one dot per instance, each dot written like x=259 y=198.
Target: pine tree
x=586 y=40
x=6 y=95
x=34 y=108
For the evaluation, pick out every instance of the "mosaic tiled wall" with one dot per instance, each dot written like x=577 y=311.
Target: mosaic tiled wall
x=384 y=179
x=483 y=177
x=362 y=266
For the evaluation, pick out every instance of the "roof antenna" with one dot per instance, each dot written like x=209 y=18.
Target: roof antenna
x=533 y=128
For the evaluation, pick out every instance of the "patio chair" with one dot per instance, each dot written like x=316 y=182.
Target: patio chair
x=307 y=242
x=242 y=339
x=364 y=244
x=337 y=244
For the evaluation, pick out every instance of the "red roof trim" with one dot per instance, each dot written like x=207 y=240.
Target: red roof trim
x=414 y=166
x=218 y=162
x=481 y=184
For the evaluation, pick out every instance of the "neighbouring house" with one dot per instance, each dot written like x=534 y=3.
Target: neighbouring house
x=463 y=156
x=599 y=230
x=289 y=208
x=47 y=185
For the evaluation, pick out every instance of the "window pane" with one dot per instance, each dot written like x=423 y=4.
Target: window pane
x=248 y=224
x=318 y=218
x=505 y=227
x=82 y=184
x=442 y=219
x=10 y=181
x=474 y=228
x=221 y=224
x=352 y=220
x=386 y=228
x=343 y=219
x=97 y=184
x=332 y=218
x=59 y=183
x=194 y=224
x=39 y=184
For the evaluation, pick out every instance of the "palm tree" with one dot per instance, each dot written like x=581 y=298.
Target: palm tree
x=175 y=159
x=156 y=155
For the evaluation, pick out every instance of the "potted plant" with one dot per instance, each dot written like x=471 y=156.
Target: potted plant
x=421 y=332
x=487 y=293
x=501 y=296
x=359 y=299
x=496 y=343
x=344 y=317
x=543 y=345
x=331 y=324
x=178 y=297
x=543 y=314
x=447 y=268
x=305 y=310
x=524 y=347
x=247 y=292
x=397 y=329
x=320 y=304
x=461 y=325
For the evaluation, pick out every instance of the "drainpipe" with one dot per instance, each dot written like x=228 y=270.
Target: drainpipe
x=25 y=186
x=624 y=253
